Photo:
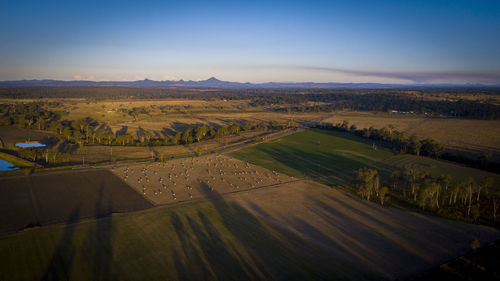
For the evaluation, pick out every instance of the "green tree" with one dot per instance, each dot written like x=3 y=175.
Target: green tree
x=384 y=191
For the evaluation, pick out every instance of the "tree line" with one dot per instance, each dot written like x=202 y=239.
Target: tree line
x=288 y=99
x=391 y=138
x=458 y=199
x=396 y=140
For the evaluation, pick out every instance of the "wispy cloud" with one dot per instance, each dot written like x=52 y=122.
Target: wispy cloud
x=414 y=77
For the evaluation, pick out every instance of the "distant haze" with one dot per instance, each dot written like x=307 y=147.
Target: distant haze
x=388 y=42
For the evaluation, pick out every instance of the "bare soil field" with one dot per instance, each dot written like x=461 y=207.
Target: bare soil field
x=64 y=197
x=192 y=178
x=454 y=133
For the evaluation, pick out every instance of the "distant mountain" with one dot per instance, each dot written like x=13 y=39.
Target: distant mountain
x=216 y=83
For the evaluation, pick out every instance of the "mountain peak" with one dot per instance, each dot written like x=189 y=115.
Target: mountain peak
x=212 y=79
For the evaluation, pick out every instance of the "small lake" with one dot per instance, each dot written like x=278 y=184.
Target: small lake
x=7 y=166
x=29 y=144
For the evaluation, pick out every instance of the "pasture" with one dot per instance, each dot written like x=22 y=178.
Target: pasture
x=192 y=178
x=64 y=197
x=9 y=136
x=332 y=157
x=102 y=153
x=294 y=231
x=325 y=156
x=458 y=134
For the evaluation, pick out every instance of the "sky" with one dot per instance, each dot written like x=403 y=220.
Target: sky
x=408 y=42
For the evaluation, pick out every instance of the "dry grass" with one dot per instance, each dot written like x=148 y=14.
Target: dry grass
x=101 y=153
x=191 y=178
x=9 y=136
x=384 y=241
x=293 y=231
x=457 y=134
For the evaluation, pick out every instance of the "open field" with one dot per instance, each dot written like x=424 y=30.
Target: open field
x=457 y=134
x=480 y=264
x=62 y=197
x=295 y=231
x=9 y=136
x=164 y=117
x=438 y=167
x=102 y=153
x=332 y=157
x=192 y=178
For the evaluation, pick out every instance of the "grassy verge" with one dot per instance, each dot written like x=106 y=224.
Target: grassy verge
x=21 y=163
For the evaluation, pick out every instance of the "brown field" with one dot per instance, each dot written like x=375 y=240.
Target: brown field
x=382 y=242
x=162 y=123
x=457 y=134
x=101 y=153
x=190 y=178
x=292 y=231
x=9 y=136
x=180 y=113
x=62 y=197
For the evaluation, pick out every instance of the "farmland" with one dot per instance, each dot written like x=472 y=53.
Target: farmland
x=331 y=158
x=64 y=197
x=457 y=134
x=282 y=209
x=294 y=231
x=192 y=178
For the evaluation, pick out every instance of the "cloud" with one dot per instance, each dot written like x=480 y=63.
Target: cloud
x=170 y=77
x=416 y=77
x=84 y=78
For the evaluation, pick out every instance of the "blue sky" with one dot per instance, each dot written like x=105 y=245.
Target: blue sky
x=321 y=41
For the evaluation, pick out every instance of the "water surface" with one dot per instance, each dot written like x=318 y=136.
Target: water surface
x=29 y=144
x=7 y=166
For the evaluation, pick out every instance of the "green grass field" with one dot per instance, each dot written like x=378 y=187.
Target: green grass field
x=331 y=158
x=326 y=156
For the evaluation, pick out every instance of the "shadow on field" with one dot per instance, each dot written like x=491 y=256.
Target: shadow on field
x=252 y=250
x=327 y=168
x=97 y=247
x=60 y=264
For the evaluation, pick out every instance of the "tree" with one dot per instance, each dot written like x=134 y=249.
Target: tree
x=176 y=138
x=495 y=200
x=200 y=132
x=414 y=145
x=187 y=138
x=486 y=183
x=430 y=147
x=382 y=195
x=485 y=158
x=367 y=182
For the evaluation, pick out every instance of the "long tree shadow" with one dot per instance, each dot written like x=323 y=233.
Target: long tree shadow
x=326 y=168
x=99 y=244
x=223 y=263
x=186 y=271
x=274 y=253
x=62 y=259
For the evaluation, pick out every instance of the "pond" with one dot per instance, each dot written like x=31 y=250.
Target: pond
x=7 y=166
x=29 y=144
